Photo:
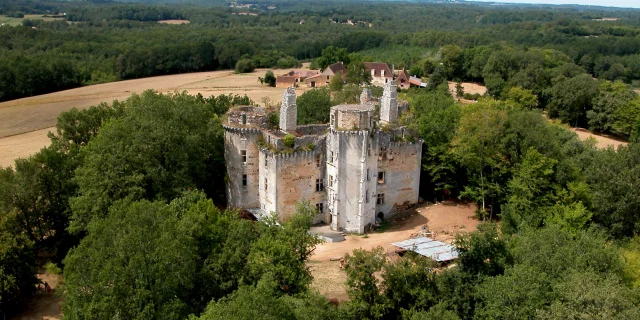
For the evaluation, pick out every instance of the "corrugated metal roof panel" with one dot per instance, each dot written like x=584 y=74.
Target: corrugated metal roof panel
x=428 y=247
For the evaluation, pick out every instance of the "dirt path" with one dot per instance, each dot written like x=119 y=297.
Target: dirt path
x=24 y=123
x=45 y=306
x=446 y=219
x=602 y=141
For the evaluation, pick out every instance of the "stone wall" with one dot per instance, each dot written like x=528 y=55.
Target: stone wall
x=400 y=162
x=295 y=180
x=353 y=119
x=247 y=116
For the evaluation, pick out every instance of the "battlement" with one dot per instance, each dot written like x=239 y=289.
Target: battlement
x=246 y=117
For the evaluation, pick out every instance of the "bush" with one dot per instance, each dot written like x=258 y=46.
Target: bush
x=270 y=78
x=244 y=66
x=289 y=140
x=52 y=268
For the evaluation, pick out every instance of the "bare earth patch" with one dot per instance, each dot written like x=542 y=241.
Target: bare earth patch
x=446 y=219
x=469 y=87
x=602 y=141
x=27 y=119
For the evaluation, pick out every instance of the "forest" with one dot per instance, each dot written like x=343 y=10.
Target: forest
x=128 y=200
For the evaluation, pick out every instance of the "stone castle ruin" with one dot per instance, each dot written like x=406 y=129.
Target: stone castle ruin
x=356 y=169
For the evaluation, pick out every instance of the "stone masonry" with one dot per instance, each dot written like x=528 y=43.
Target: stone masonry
x=354 y=170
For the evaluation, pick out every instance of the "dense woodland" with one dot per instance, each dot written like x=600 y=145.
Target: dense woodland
x=128 y=200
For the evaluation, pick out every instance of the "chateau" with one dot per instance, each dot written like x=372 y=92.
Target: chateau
x=357 y=168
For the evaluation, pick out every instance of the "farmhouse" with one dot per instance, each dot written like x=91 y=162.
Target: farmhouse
x=293 y=78
x=380 y=72
x=358 y=168
x=402 y=79
x=324 y=78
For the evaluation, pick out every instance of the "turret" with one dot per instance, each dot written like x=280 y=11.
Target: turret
x=288 y=110
x=389 y=103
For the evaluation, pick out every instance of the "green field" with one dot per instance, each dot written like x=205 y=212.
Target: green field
x=18 y=21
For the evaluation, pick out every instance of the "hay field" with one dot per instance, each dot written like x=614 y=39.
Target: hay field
x=174 y=21
x=8 y=21
x=24 y=123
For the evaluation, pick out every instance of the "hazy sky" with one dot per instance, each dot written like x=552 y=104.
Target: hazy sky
x=608 y=3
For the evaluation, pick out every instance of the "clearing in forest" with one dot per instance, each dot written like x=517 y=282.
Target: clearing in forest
x=446 y=219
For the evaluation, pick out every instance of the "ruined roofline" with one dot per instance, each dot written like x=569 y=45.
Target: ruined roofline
x=289 y=155
x=241 y=129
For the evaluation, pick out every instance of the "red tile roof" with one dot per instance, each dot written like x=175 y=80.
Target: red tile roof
x=378 y=67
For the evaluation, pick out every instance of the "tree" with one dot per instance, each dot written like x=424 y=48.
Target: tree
x=357 y=74
x=436 y=78
x=164 y=145
x=270 y=79
x=459 y=90
x=611 y=174
x=264 y=301
x=518 y=294
x=34 y=200
x=282 y=253
x=627 y=116
x=572 y=98
x=522 y=97
x=331 y=55
x=244 y=66
x=363 y=286
x=483 y=252
x=476 y=144
x=336 y=82
x=17 y=270
x=589 y=295
x=532 y=187
x=313 y=106
x=611 y=98
x=416 y=71
x=135 y=263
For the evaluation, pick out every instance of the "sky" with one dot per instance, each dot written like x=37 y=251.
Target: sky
x=607 y=3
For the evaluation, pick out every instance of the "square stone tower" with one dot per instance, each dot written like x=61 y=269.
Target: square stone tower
x=289 y=110
x=389 y=103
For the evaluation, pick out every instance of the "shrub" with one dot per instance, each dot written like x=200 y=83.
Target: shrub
x=289 y=140
x=244 y=66
x=270 y=79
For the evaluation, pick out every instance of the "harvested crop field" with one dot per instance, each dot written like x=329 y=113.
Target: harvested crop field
x=27 y=119
x=446 y=219
x=174 y=21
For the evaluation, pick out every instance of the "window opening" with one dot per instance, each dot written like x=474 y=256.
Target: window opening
x=380 y=199
x=380 y=177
